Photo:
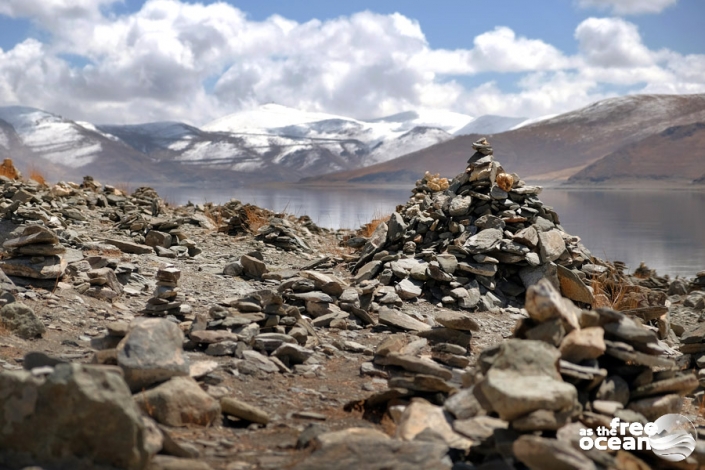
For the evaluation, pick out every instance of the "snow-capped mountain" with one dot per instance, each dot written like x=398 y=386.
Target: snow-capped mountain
x=490 y=124
x=648 y=137
x=268 y=143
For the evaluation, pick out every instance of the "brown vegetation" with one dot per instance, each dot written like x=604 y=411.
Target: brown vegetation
x=369 y=228
x=36 y=175
x=8 y=170
x=255 y=218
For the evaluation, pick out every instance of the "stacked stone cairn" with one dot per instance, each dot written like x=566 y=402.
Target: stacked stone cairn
x=527 y=398
x=167 y=298
x=476 y=242
x=35 y=254
x=279 y=230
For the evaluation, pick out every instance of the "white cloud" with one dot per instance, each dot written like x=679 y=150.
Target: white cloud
x=195 y=62
x=612 y=42
x=629 y=7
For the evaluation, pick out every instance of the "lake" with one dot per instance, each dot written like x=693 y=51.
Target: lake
x=665 y=229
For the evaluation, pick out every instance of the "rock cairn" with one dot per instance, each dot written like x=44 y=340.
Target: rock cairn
x=285 y=232
x=528 y=398
x=35 y=254
x=476 y=242
x=167 y=298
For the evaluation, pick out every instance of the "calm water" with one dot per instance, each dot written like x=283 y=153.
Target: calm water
x=665 y=229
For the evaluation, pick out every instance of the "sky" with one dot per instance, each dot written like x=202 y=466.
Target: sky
x=132 y=61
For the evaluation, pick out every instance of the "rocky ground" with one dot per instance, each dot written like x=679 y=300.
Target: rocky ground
x=137 y=335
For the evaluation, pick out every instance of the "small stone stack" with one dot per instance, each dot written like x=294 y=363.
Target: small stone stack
x=608 y=365
x=35 y=254
x=167 y=298
x=486 y=233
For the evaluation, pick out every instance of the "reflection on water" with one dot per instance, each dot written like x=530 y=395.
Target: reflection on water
x=665 y=229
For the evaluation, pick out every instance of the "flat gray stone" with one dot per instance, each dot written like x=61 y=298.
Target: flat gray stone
x=40 y=419
x=21 y=320
x=179 y=401
x=483 y=241
x=400 y=320
x=129 y=247
x=152 y=352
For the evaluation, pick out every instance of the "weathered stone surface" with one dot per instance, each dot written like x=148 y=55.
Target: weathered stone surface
x=682 y=385
x=457 y=321
x=21 y=320
x=614 y=388
x=397 y=227
x=293 y=353
x=32 y=235
x=543 y=302
x=460 y=206
x=400 y=320
x=373 y=245
x=551 y=245
x=421 y=415
x=167 y=462
x=179 y=402
x=655 y=407
x=484 y=241
x=407 y=289
x=242 y=410
x=109 y=276
x=573 y=287
x=524 y=378
x=414 y=364
x=531 y=275
x=156 y=238
x=78 y=412
x=152 y=352
x=463 y=405
x=35 y=267
x=358 y=448
x=540 y=453
x=129 y=247
x=579 y=345
x=252 y=266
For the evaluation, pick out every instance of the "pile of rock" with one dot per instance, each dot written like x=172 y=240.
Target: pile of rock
x=35 y=254
x=480 y=242
x=167 y=298
x=530 y=398
x=274 y=229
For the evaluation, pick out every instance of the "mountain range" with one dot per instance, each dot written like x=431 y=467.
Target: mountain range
x=633 y=138
x=657 y=139
x=268 y=143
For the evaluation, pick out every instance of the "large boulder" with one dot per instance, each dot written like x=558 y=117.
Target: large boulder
x=524 y=378
x=79 y=417
x=152 y=352
x=179 y=402
x=21 y=320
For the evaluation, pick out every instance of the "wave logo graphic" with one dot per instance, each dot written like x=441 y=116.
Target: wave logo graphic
x=674 y=439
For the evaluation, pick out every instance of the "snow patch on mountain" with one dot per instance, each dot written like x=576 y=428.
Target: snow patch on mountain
x=416 y=139
x=265 y=117
x=490 y=124
x=51 y=136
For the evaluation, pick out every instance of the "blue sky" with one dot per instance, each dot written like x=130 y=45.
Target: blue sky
x=135 y=60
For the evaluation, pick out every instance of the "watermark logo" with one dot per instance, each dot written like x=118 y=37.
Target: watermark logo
x=672 y=437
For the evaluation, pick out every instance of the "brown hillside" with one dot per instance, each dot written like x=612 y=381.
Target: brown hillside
x=676 y=153
x=551 y=149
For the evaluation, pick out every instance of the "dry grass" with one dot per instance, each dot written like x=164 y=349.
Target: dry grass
x=125 y=188
x=8 y=170
x=36 y=175
x=255 y=217
x=369 y=228
x=214 y=215
x=4 y=330
x=614 y=293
